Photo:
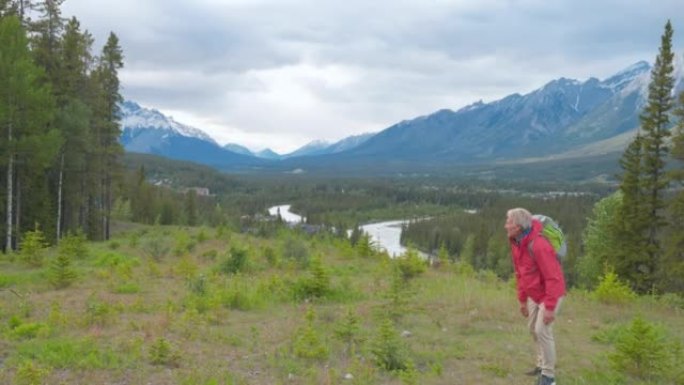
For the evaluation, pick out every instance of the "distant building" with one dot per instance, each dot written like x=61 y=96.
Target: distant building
x=200 y=191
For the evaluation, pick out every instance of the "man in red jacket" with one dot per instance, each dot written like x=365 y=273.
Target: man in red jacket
x=540 y=284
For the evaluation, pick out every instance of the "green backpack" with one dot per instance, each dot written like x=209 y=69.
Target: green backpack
x=554 y=234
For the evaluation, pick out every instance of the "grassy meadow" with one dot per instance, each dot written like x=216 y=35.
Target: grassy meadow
x=179 y=305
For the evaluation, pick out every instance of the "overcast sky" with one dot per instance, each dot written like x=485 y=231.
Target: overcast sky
x=281 y=73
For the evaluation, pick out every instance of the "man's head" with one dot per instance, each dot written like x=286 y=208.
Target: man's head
x=517 y=221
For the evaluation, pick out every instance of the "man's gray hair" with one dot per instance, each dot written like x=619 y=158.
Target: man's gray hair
x=520 y=217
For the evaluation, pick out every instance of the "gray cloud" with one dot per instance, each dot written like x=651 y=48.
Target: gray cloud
x=277 y=74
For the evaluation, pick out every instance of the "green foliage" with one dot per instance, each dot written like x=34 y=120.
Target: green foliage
x=599 y=240
x=295 y=250
x=84 y=354
x=308 y=342
x=410 y=375
x=30 y=373
x=74 y=245
x=241 y=293
x=398 y=294
x=198 y=286
x=316 y=285
x=387 y=348
x=348 y=330
x=33 y=247
x=611 y=291
x=164 y=354
x=156 y=247
x=98 y=312
x=236 y=262
x=184 y=243
x=127 y=288
x=62 y=273
x=410 y=264
x=29 y=330
x=364 y=246
x=641 y=351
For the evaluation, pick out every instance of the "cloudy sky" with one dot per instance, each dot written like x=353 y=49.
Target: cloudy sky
x=281 y=73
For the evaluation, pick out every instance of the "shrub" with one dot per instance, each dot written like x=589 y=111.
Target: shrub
x=611 y=291
x=236 y=261
x=641 y=350
x=32 y=247
x=29 y=330
x=61 y=273
x=184 y=244
x=30 y=373
x=411 y=264
x=296 y=250
x=307 y=341
x=74 y=245
x=347 y=329
x=388 y=349
x=163 y=353
x=156 y=247
x=317 y=285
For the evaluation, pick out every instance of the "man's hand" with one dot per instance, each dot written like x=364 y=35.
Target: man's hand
x=549 y=316
x=523 y=310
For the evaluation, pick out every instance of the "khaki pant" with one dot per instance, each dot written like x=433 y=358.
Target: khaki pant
x=543 y=336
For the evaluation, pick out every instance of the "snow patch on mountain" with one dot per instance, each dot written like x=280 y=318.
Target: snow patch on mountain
x=135 y=117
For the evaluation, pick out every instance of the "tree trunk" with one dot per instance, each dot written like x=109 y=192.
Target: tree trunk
x=10 y=177
x=59 y=198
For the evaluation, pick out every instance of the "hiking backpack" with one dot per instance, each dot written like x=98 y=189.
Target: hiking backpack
x=553 y=233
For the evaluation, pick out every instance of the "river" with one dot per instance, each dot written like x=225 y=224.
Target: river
x=385 y=235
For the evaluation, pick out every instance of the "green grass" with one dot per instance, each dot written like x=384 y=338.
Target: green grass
x=251 y=327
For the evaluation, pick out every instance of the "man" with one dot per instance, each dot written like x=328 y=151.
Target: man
x=540 y=283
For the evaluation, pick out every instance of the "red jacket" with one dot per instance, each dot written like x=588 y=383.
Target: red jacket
x=539 y=277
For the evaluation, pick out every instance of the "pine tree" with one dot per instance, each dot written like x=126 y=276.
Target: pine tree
x=629 y=225
x=105 y=164
x=672 y=269
x=655 y=126
x=640 y=219
x=28 y=146
x=73 y=119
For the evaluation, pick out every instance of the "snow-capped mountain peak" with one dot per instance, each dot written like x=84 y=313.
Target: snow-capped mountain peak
x=135 y=117
x=626 y=77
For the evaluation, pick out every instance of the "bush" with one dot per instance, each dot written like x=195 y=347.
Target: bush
x=317 y=285
x=61 y=273
x=30 y=373
x=641 y=350
x=307 y=341
x=411 y=264
x=236 y=262
x=611 y=291
x=163 y=353
x=296 y=250
x=32 y=247
x=388 y=349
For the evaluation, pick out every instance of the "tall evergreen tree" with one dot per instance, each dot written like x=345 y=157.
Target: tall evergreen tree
x=630 y=223
x=673 y=265
x=106 y=165
x=25 y=110
x=73 y=119
x=655 y=122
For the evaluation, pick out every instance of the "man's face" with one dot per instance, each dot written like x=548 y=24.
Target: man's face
x=512 y=230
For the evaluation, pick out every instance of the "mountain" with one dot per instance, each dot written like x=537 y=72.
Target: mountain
x=566 y=123
x=316 y=147
x=348 y=143
x=268 y=154
x=320 y=147
x=564 y=119
x=151 y=132
x=238 y=149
